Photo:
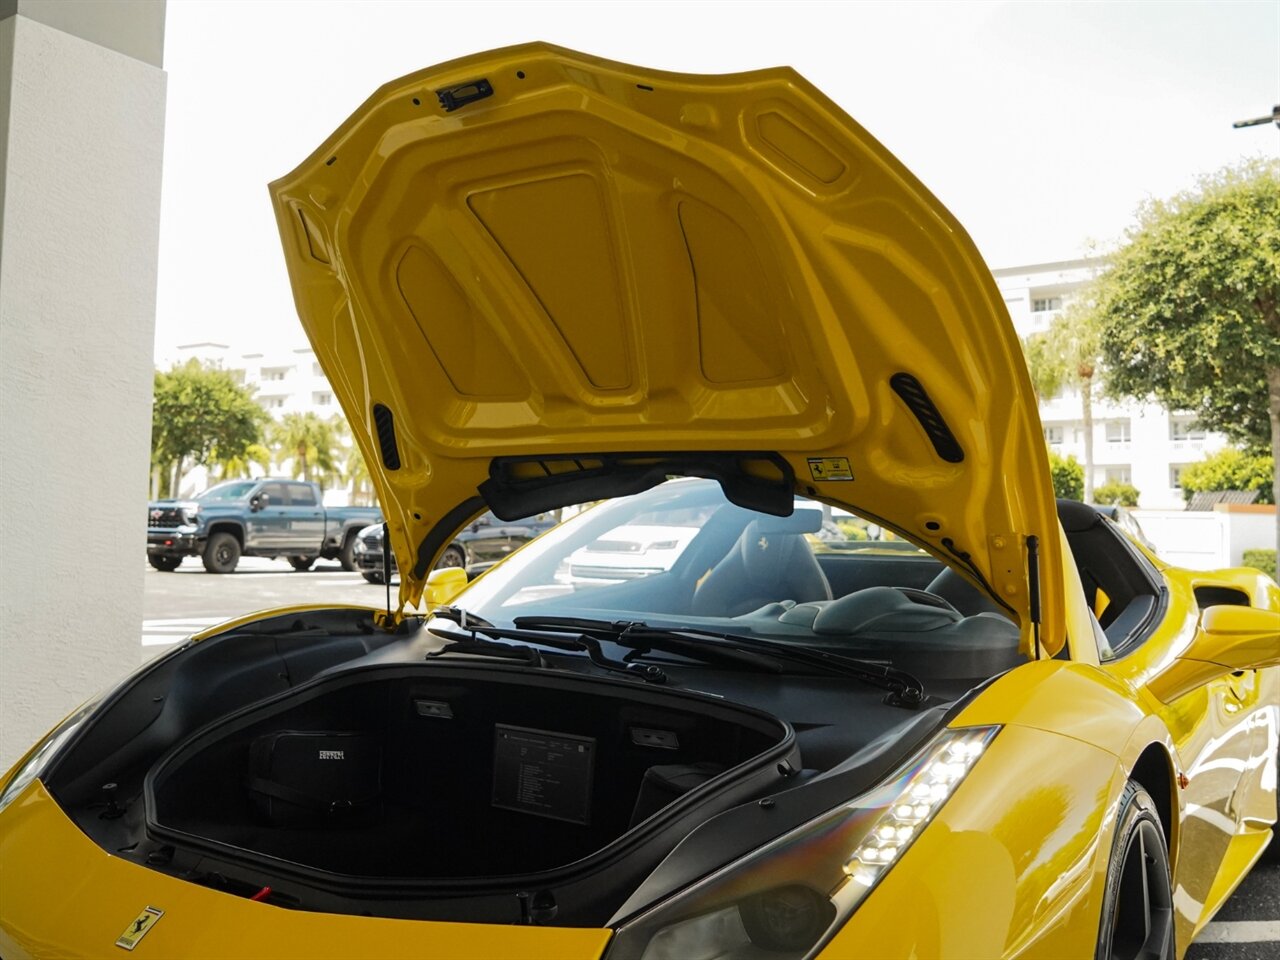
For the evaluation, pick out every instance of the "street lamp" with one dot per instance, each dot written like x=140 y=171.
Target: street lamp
x=1259 y=121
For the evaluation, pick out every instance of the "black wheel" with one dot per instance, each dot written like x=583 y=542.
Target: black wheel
x=1137 y=905
x=347 y=555
x=1274 y=849
x=221 y=553
x=372 y=577
x=164 y=564
x=301 y=564
x=453 y=557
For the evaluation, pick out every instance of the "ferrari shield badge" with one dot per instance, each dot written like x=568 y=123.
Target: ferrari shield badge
x=830 y=468
x=139 y=927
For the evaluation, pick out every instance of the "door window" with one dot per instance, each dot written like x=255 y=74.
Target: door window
x=301 y=495
x=276 y=495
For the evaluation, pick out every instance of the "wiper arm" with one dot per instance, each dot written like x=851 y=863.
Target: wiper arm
x=470 y=643
x=641 y=638
x=904 y=689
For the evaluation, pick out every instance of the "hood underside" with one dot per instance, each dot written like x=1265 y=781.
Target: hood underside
x=536 y=277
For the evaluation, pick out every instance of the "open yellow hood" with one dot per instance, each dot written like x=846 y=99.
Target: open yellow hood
x=523 y=268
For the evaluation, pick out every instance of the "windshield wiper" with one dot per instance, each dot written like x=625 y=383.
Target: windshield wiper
x=586 y=638
x=476 y=626
x=470 y=643
x=905 y=690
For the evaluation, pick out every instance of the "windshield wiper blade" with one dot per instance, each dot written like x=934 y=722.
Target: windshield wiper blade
x=476 y=626
x=904 y=689
x=641 y=638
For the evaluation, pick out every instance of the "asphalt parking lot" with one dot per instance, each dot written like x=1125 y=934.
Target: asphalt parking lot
x=188 y=600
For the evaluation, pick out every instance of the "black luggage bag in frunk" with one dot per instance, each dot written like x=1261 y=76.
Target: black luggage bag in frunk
x=309 y=776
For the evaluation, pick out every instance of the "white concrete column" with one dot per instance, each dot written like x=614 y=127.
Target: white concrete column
x=81 y=136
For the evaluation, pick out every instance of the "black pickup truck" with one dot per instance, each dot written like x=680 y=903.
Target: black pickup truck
x=255 y=518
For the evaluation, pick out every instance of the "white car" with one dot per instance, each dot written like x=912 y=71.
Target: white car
x=628 y=552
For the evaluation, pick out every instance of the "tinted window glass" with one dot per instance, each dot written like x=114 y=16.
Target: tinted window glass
x=276 y=495
x=235 y=490
x=301 y=495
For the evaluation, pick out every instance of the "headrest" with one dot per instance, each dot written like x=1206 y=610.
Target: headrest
x=802 y=520
x=769 y=546
x=1077 y=517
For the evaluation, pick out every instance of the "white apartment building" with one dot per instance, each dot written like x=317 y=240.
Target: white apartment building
x=284 y=381
x=1142 y=444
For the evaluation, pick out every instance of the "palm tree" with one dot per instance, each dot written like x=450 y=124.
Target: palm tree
x=309 y=443
x=355 y=473
x=231 y=468
x=1069 y=354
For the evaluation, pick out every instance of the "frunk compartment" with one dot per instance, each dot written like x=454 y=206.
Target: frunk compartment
x=457 y=770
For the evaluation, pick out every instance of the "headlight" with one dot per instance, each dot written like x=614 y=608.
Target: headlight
x=784 y=901
x=191 y=513
x=44 y=751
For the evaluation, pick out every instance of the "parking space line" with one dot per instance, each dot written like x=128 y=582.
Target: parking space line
x=1241 y=931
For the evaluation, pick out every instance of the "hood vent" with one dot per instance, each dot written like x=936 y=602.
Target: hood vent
x=917 y=400
x=385 y=424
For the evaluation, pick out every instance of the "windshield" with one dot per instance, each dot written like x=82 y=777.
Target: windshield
x=681 y=555
x=232 y=490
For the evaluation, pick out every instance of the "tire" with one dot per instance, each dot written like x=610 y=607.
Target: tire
x=372 y=576
x=221 y=553
x=301 y=564
x=1137 y=904
x=347 y=555
x=164 y=564
x=1275 y=827
x=452 y=557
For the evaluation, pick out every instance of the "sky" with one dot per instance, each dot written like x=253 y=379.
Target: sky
x=1041 y=125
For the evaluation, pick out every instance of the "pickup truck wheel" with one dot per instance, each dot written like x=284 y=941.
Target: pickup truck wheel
x=221 y=553
x=372 y=577
x=164 y=564
x=348 y=552
x=453 y=557
x=301 y=564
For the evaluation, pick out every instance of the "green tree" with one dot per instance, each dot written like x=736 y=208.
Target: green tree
x=1190 y=309
x=310 y=443
x=1125 y=494
x=1230 y=469
x=355 y=475
x=231 y=468
x=199 y=413
x=1068 y=354
x=1068 y=477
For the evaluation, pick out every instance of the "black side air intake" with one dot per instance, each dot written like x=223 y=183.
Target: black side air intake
x=916 y=398
x=385 y=424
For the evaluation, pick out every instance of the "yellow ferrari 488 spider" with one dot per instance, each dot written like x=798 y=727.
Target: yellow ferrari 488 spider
x=685 y=724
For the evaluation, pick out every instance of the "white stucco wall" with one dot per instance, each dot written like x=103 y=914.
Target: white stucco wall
x=1208 y=539
x=78 y=245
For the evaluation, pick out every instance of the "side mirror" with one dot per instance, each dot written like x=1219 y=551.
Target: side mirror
x=1243 y=638
x=444 y=584
x=257 y=502
x=1230 y=639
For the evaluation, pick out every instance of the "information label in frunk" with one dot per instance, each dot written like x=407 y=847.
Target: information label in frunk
x=543 y=773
